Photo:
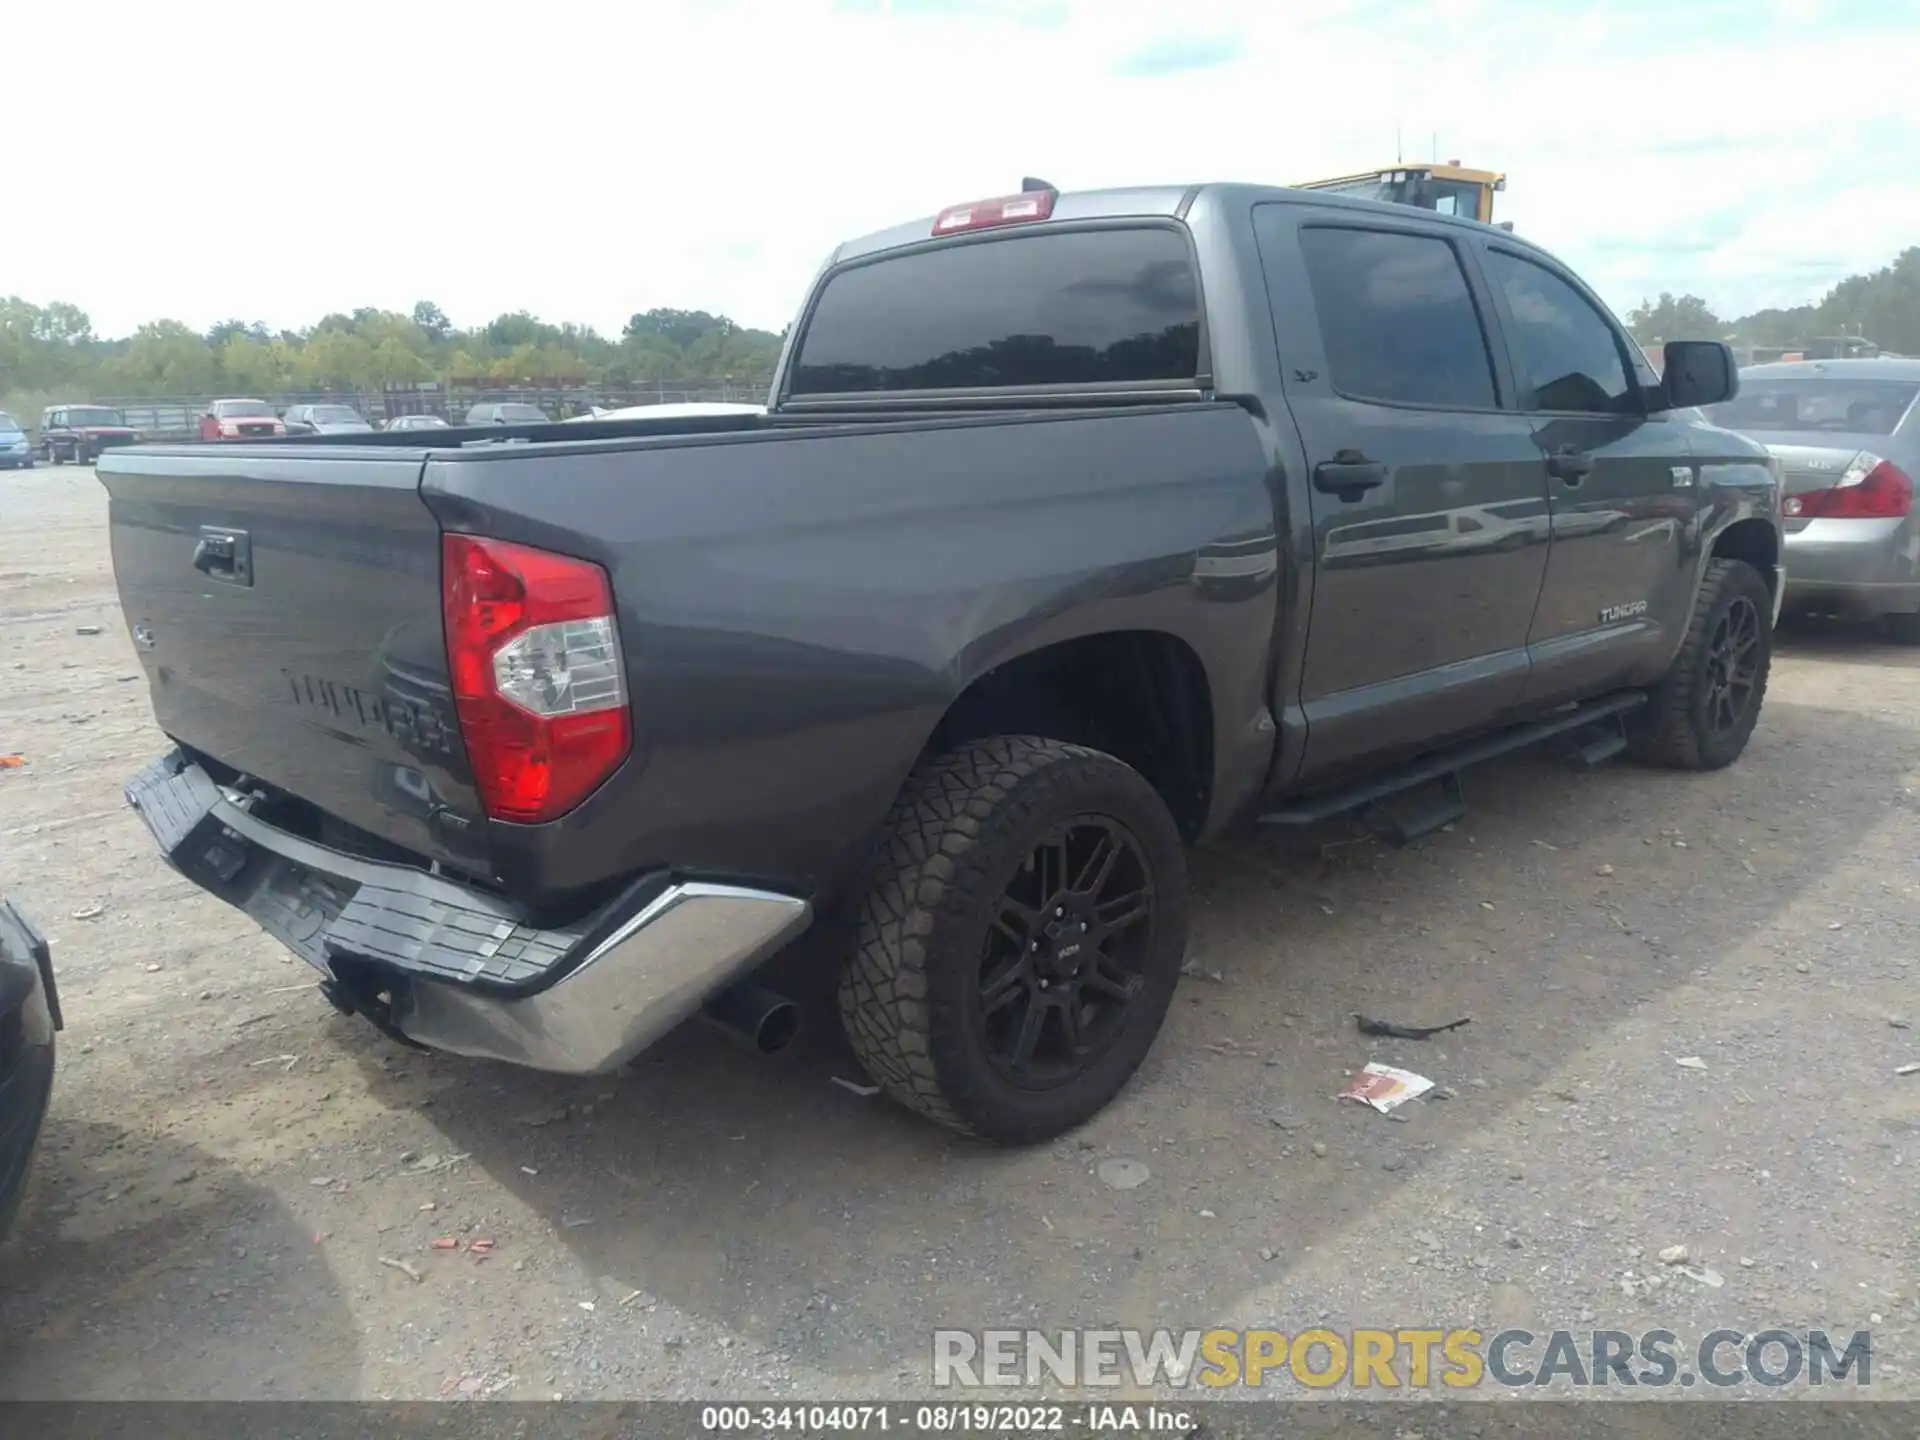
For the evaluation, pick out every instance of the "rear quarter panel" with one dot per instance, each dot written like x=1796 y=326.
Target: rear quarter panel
x=798 y=610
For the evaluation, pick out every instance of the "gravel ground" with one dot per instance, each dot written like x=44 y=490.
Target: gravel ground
x=229 y=1165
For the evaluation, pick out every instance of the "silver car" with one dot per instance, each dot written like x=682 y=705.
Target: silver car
x=326 y=420
x=1847 y=436
x=416 y=422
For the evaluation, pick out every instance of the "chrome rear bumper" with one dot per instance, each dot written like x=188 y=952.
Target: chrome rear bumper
x=455 y=968
x=630 y=990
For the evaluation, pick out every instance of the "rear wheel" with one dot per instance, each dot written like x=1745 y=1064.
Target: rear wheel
x=1903 y=629
x=53 y=454
x=1702 y=713
x=1022 y=939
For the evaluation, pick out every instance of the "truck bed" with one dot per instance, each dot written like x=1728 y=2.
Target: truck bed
x=797 y=603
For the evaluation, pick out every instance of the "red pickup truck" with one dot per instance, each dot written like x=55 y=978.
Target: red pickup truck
x=240 y=420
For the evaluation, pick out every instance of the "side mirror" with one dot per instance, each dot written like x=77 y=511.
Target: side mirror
x=1698 y=373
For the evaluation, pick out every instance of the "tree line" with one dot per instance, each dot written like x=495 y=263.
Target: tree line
x=53 y=348
x=1883 y=306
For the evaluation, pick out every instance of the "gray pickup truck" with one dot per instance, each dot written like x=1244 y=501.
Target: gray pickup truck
x=1079 y=527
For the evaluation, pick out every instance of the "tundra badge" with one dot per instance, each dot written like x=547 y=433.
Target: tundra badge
x=1614 y=613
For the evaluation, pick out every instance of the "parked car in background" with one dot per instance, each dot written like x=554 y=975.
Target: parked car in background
x=325 y=420
x=240 y=420
x=29 y=1016
x=691 y=409
x=507 y=412
x=80 y=432
x=416 y=422
x=16 y=451
x=1847 y=436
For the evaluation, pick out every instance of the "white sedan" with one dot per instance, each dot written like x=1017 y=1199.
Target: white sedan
x=685 y=411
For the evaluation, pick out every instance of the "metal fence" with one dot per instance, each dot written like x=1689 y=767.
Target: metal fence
x=177 y=417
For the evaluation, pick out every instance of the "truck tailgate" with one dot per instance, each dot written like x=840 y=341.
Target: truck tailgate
x=286 y=606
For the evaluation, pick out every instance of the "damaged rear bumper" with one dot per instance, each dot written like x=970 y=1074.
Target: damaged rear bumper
x=454 y=968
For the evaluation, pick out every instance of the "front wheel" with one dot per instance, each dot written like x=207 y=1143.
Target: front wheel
x=1022 y=939
x=1703 y=711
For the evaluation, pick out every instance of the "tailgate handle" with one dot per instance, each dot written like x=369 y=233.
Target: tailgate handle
x=225 y=555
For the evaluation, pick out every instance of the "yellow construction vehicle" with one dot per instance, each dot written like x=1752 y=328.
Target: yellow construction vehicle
x=1450 y=189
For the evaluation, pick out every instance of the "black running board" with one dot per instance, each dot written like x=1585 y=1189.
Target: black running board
x=1445 y=766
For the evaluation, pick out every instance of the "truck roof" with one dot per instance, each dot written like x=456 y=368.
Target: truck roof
x=1139 y=200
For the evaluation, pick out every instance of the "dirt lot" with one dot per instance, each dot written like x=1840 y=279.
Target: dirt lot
x=228 y=1162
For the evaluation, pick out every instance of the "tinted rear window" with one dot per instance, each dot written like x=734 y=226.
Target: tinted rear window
x=1818 y=403
x=1398 y=319
x=1074 y=308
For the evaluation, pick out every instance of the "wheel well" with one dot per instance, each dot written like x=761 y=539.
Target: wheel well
x=1755 y=542
x=1139 y=695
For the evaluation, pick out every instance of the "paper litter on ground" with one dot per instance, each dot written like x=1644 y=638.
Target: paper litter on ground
x=1385 y=1088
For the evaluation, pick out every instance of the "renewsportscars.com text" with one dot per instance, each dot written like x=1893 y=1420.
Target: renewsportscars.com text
x=1399 y=1359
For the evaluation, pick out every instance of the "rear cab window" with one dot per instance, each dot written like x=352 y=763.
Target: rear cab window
x=1108 y=307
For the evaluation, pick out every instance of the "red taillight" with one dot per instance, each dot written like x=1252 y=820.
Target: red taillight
x=1872 y=489
x=538 y=681
x=1006 y=210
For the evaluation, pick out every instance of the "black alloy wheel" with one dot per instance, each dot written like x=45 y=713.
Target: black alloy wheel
x=1065 y=955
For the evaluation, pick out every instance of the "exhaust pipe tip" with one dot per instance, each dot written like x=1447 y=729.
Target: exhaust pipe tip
x=755 y=1016
x=778 y=1028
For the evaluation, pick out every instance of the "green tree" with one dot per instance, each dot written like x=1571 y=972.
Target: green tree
x=163 y=358
x=336 y=359
x=255 y=367
x=679 y=328
x=394 y=364
x=432 y=320
x=64 y=324
x=506 y=332
x=1675 y=317
x=218 y=336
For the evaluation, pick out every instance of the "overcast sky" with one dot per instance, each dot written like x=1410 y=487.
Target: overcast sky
x=205 y=160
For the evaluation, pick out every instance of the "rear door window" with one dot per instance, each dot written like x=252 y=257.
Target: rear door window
x=1065 y=308
x=1397 y=318
x=1565 y=351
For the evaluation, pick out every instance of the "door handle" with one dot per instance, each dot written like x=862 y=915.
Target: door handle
x=1349 y=475
x=1569 y=466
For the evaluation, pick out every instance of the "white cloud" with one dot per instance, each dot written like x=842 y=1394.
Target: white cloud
x=592 y=160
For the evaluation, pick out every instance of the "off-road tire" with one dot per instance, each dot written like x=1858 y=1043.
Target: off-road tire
x=1672 y=729
x=53 y=455
x=963 y=824
x=15 y=1189
x=1902 y=629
